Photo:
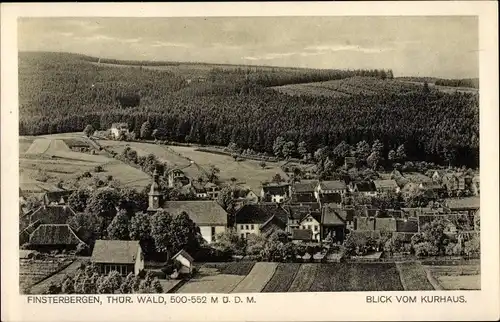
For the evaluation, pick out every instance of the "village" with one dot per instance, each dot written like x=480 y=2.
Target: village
x=188 y=224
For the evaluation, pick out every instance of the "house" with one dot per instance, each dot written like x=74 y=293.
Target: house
x=312 y=222
x=177 y=178
x=386 y=186
x=57 y=197
x=212 y=190
x=334 y=221
x=437 y=175
x=296 y=213
x=199 y=191
x=301 y=235
x=59 y=236
x=303 y=191
x=186 y=261
x=208 y=215
x=275 y=192
x=469 y=204
x=119 y=129
x=330 y=191
x=54 y=214
x=260 y=218
x=123 y=256
x=366 y=188
x=251 y=197
x=457 y=182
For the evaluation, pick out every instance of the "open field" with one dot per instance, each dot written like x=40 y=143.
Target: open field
x=304 y=278
x=349 y=86
x=413 y=277
x=143 y=149
x=260 y=275
x=32 y=271
x=49 y=160
x=282 y=278
x=248 y=172
x=362 y=85
x=459 y=277
x=337 y=277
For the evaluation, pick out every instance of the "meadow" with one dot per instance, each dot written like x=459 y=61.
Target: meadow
x=45 y=161
x=33 y=271
x=248 y=173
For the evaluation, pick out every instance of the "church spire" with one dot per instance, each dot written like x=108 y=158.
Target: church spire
x=155 y=196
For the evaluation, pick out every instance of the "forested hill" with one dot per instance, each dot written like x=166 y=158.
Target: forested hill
x=64 y=93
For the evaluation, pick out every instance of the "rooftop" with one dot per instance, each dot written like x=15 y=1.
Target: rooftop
x=385 y=184
x=115 y=251
x=259 y=214
x=203 y=212
x=54 y=234
x=333 y=185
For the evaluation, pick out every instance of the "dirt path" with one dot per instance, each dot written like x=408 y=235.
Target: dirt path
x=259 y=276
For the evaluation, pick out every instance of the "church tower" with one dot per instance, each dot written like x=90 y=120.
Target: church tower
x=155 y=196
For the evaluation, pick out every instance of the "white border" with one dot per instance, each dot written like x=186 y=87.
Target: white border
x=481 y=305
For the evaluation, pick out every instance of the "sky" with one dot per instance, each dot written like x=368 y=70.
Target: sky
x=438 y=46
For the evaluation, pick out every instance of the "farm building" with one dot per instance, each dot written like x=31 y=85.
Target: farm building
x=258 y=219
x=208 y=215
x=386 y=186
x=123 y=256
x=185 y=260
x=275 y=192
x=57 y=236
x=118 y=130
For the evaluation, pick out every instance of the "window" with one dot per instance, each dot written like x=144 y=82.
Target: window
x=246 y=227
x=241 y=226
x=247 y=234
x=212 y=230
x=242 y=236
x=251 y=227
x=315 y=228
x=309 y=227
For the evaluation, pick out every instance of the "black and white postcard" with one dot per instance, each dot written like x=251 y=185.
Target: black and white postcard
x=258 y=161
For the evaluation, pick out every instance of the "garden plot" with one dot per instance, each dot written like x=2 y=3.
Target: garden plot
x=232 y=268
x=304 y=278
x=57 y=278
x=210 y=281
x=33 y=271
x=260 y=275
x=338 y=277
x=282 y=278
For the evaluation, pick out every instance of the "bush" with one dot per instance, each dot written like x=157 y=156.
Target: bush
x=98 y=169
x=82 y=249
x=425 y=249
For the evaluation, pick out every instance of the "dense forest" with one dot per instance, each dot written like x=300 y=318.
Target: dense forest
x=62 y=93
